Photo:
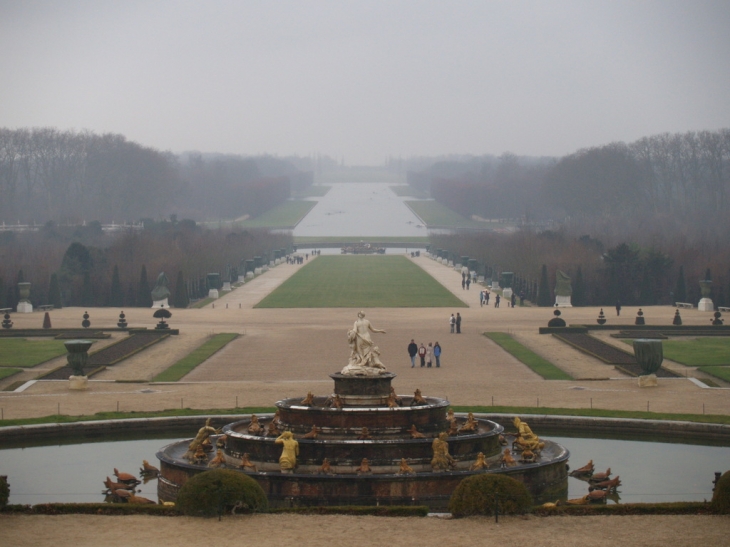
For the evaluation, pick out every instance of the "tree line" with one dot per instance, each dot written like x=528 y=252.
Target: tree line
x=85 y=267
x=670 y=183
x=67 y=176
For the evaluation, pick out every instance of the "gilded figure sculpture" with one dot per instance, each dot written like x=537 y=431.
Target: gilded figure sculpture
x=470 y=425
x=506 y=459
x=308 y=400
x=364 y=435
x=441 y=457
x=325 y=468
x=418 y=399
x=415 y=434
x=247 y=464
x=219 y=460
x=203 y=435
x=526 y=439
x=364 y=468
x=480 y=463
x=290 y=451
x=254 y=428
x=405 y=469
x=272 y=430
x=313 y=433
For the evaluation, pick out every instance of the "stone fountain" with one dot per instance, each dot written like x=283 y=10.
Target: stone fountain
x=365 y=445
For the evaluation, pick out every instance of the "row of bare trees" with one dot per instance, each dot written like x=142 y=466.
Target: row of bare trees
x=67 y=176
x=85 y=263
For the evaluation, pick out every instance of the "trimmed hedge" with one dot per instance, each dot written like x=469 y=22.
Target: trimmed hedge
x=377 y=511
x=93 y=509
x=219 y=490
x=4 y=491
x=721 y=497
x=481 y=494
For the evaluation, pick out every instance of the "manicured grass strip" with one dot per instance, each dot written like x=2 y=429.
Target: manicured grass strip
x=5 y=372
x=514 y=410
x=197 y=356
x=718 y=372
x=406 y=190
x=699 y=352
x=314 y=191
x=539 y=365
x=435 y=214
x=284 y=215
x=19 y=352
x=596 y=413
x=360 y=282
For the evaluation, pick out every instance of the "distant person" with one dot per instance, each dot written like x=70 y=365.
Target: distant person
x=522 y=299
x=486 y=297
x=437 y=354
x=481 y=298
x=429 y=355
x=463 y=282
x=452 y=322
x=458 y=323
x=618 y=308
x=496 y=301
x=514 y=299
x=412 y=352
x=422 y=354
x=468 y=282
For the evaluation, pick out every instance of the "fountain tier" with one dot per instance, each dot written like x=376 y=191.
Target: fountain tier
x=361 y=421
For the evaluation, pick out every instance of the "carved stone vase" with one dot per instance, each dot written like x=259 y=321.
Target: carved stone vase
x=649 y=355
x=78 y=356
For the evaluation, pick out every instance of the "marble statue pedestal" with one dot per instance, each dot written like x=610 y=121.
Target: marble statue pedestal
x=705 y=304
x=160 y=303
x=78 y=383
x=213 y=293
x=648 y=381
x=562 y=302
x=226 y=286
x=507 y=293
x=25 y=307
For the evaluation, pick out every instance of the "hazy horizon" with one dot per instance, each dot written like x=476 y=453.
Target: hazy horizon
x=362 y=81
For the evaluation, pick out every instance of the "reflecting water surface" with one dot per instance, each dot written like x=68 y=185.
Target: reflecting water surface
x=361 y=209
x=649 y=471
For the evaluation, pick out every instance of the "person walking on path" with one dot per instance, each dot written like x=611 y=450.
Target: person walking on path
x=486 y=297
x=496 y=301
x=514 y=299
x=429 y=355
x=481 y=298
x=458 y=323
x=468 y=282
x=463 y=281
x=452 y=322
x=437 y=354
x=618 y=308
x=422 y=354
x=412 y=352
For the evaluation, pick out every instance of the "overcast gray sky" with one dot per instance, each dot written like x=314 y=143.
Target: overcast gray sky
x=365 y=80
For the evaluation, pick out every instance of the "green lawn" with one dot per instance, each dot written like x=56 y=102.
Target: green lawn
x=189 y=362
x=314 y=191
x=19 y=352
x=435 y=214
x=723 y=373
x=406 y=190
x=360 y=282
x=5 y=372
x=283 y=215
x=539 y=365
x=699 y=352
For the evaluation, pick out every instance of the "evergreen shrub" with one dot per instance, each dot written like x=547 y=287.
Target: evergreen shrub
x=721 y=496
x=478 y=495
x=4 y=490
x=217 y=491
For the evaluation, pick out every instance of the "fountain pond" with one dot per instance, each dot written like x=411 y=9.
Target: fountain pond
x=72 y=470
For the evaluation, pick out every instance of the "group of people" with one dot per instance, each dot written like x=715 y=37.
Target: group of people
x=426 y=354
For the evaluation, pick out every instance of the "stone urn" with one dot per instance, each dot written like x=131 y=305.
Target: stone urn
x=649 y=355
x=24 y=305
x=78 y=356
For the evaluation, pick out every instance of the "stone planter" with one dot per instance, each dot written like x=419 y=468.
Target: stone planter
x=649 y=355
x=78 y=356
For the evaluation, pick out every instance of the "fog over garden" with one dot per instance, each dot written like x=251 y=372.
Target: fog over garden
x=588 y=138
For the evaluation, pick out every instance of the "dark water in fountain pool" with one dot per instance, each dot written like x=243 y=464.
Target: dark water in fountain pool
x=649 y=471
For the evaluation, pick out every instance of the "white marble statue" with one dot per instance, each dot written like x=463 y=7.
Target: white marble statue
x=364 y=355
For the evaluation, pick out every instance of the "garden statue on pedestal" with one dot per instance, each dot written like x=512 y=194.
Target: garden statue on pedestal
x=77 y=358
x=364 y=355
x=649 y=355
x=161 y=292
x=24 y=305
x=563 y=290
x=705 y=303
